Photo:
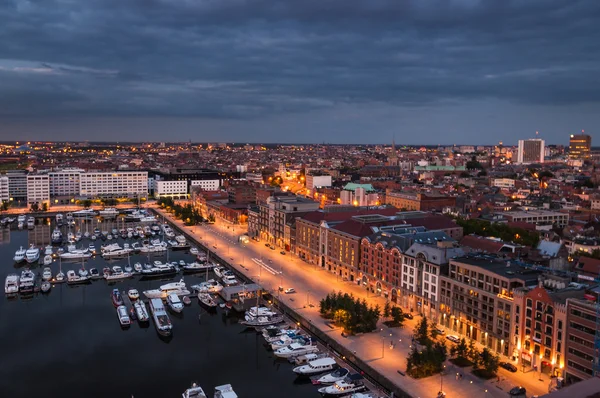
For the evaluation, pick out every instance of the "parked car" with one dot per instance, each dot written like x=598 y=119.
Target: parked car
x=408 y=315
x=290 y=290
x=453 y=338
x=439 y=330
x=282 y=252
x=267 y=245
x=508 y=366
x=518 y=391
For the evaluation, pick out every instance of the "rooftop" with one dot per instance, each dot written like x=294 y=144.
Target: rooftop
x=505 y=269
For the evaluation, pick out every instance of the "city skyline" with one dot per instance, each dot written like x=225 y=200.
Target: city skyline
x=257 y=71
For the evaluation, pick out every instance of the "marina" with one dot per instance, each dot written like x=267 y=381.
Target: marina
x=96 y=321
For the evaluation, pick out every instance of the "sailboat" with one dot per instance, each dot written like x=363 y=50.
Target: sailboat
x=60 y=276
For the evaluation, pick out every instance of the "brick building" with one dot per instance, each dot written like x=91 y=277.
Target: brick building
x=418 y=201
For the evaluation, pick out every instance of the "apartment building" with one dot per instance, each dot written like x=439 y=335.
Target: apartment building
x=172 y=189
x=38 y=189
x=581 y=354
x=539 y=217
x=540 y=324
x=207 y=185
x=476 y=299
x=531 y=151
x=114 y=184
x=64 y=184
x=4 y=191
x=17 y=185
x=418 y=201
x=317 y=180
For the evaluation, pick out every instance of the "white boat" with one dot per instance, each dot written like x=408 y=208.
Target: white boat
x=194 y=391
x=21 y=218
x=133 y=294
x=76 y=254
x=229 y=280
x=47 y=274
x=317 y=366
x=123 y=315
x=11 y=284
x=141 y=311
x=220 y=271
x=20 y=225
x=94 y=274
x=60 y=277
x=19 y=255
x=348 y=385
x=59 y=219
x=56 y=237
x=108 y=212
x=31 y=223
x=115 y=251
x=335 y=376
x=159 y=269
x=225 y=391
x=86 y=213
x=286 y=340
x=117 y=274
x=47 y=259
x=49 y=250
x=162 y=322
x=152 y=248
x=45 y=287
x=73 y=278
x=32 y=254
x=210 y=286
x=138 y=267
x=179 y=288
x=26 y=281
x=174 y=302
x=194 y=251
x=83 y=272
x=294 y=350
x=207 y=300
x=196 y=267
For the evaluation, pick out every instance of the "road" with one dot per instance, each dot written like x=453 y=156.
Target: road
x=272 y=269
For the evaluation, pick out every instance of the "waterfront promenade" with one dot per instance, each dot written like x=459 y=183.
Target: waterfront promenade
x=312 y=283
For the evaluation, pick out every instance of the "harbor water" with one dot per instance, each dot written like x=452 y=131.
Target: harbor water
x=68 y=342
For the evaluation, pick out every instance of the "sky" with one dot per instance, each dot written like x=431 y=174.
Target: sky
x=301 y=71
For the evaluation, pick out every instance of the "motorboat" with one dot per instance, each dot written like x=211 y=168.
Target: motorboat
x=350 y=384
x=225 y=391
x=47 y=274
x=207 y=300
x=229 y=280
x=19 y=255
x=92 y=248
x=78 y=236
x=141 y=311
x=115 y=251
x=49 y=250
x=108 y=212
x=20 y=225
x=304 y=359
x=116 y=297
x=70 y=237
x=194 y=391
x=21 y=218
x=210 y=286
x=174 y=302
x=295 y=349
x=317 y=366
x=159 y=269
x=178 y=288
x=83 y=272
x=59 y=219
x=254 y=312
x=277 y=336
x=47 y=259
x=286 y=340
x=138 y=267
x=151 y=248
x=116 y=273
x=30 y=223
x=123 y=315
x=60 y=277
x=32 y=254
x=133 y=294
x=186 y=300
x=11 y=284
x=194 y=251
x=85 y=213
x=73 y=278
x=333 y=377
x=196 y=267
x=26 y=281
x=94 y=274
x=220 y=271
x=162 y=322
x=75 y=254
x=45 y=287
x=128 y=268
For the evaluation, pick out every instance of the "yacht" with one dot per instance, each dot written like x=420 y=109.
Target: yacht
x=115 y=251
x=133 y=294
x=123 y=315
x=229 y=280
x=137 y=267
x=60 y=277
x=141 y=311
x=92 y=248
x=335 y=376
x=116 y=274
x=116 y=298
x=159 y=269
x=194 y=391
x=73 y=278
x=85 y=213
x=57 y=237
x=75 y=254
x=19 y=255
x=47 y=259
x=225 y=391
x=348 y=385
x=94 y=274
x=32 y=254
x=83 y=272
x=294 y=350
x=162 y=322
x=193 y=251
x=220 y=271
x=154 y=248
x=21 y=218
x=317 y=366
x=11 y=284
x=196 y=267
x=286 y=340
x=30 y=223
x=207 y=300
x=27 y=281
x=47 y=274
x=178 y=288
x=174 y=302
x=263 y=320
x=108 y=212
x=210 y=286
x=49 y=250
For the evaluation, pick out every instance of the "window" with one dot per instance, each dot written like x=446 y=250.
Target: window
x=529 y=303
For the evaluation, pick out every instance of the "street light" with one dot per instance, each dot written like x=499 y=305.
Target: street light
x=382 y=345
x=442 y=379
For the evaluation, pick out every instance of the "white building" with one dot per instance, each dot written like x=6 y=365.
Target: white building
x=531 y=151
x=65 y=182
x=173 y=189
x=313 y=182
x=207 y=185
x=4 y=193
x=254 y=177
x=38 y=189
x=114 y=184
x=503 y=182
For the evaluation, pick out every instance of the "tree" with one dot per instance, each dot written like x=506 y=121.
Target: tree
x=421 y=332
x=386 y=310
x=86 y=203
x=486 y=363
x=35 y=207
x=45 y=206
x=472 y=352
x=397 y=316
x=5 y=205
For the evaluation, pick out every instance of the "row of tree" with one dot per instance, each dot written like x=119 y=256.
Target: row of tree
x=427 y=357
x=502 y=231
x=188 y=213
x=395 y=313
x=485 y=363
x=351 y=313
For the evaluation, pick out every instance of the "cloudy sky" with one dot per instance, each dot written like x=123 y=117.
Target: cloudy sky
x=339 y=71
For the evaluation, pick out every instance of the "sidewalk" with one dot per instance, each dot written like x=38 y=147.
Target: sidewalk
x=313 y=283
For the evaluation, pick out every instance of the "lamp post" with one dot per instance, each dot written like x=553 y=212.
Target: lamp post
x=382 y=345
x=442 y=379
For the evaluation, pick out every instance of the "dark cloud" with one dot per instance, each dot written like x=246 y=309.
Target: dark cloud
x=257 y=59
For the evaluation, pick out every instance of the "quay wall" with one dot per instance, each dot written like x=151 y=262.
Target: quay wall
x=339 y=349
